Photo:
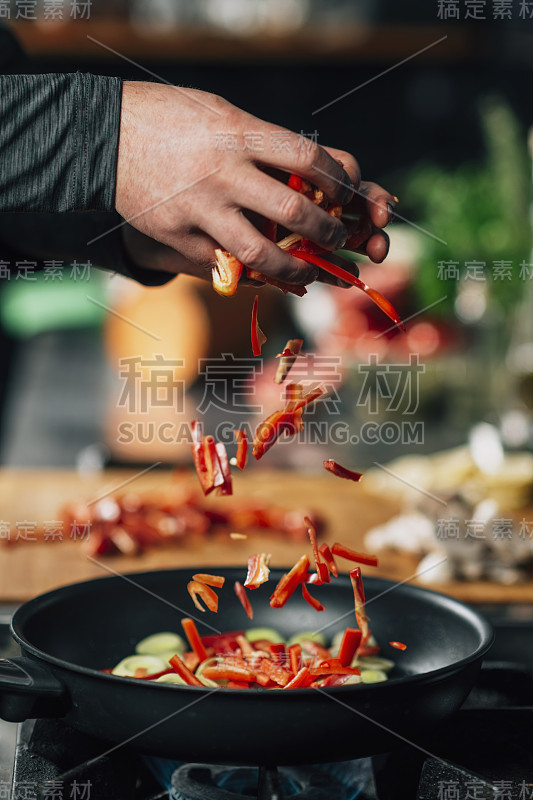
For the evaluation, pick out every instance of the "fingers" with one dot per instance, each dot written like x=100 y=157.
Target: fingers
x=291 y=209
x=312 y=162
x=349 y=164
x=372 y=200
x=237 y=234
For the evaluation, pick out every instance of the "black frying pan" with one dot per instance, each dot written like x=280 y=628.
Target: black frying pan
x=69 y=634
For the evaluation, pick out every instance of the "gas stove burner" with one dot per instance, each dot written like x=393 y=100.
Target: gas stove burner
x=209 y=782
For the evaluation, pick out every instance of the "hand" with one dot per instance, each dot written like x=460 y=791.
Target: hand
x=176 y=186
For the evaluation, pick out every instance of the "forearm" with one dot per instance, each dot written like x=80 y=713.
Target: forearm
x=58 y=142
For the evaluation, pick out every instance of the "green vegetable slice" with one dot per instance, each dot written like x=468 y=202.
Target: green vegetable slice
x=161 y=643
x=307 y=636
x=128 y=666
x=172 y=677
x=254 y=634
x=373 y=676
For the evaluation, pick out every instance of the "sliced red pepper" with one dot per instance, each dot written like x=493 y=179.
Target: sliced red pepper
x=289 y=582
x=334 y=671
x=240 y=591
x=287 y=358
x=242 y=448
x=398 y=645
x=351 y=555
x=301 y=680
x=225 y=672
x=153 y=675
x=332 y=680
x=316 y=650
x=178 y=666
x=223 y=643
x=279 y=653
x=295 y=657
x=327 y=555
x=344 y=275
x=245 y=646
x=288 y=420
x=363 y=651
x=359 y=596
x=308 y=597
x=258 y=570
x=258 y=337
x=210 y=580
x=278 y=674
x=207 y=594
x=349 y=644
x=226 y=272
x=198 y=453
x=227 y=486
x=341 y=472
x=238 y=685
x=191 y=660
x=301 y=185
x=321 y=569
x=193 y=637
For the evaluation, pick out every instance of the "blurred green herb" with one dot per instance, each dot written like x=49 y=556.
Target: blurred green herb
x=482 y=211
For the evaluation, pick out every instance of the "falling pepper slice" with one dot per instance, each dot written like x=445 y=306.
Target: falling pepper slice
x=210 y=597
x=321 y=569
x=341 y=472
x=226 y=272
x=210 y=580
x=258 y=570
x=241 y=456
x=398 y=645
x=287 y=358
x=359 y=597
x=327 y=555
x=344 y=275
x=351 y=555
x=240 y=591
x=258 y=337
x=289 y=582
x=313 y=602
x=226 y=487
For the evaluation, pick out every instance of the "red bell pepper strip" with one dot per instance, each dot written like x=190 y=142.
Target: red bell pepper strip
x=258 y=570
x=178 y=666
x=349 y=644
x=351 y=555
x=316 y=650
x=240 y=591
x=321 y=569
x=279 y=653
x=327 y=555
x=289 y=582
x=287 y=358
x=301 y=680
x=198 y=453
x=363 y=651
x=242 y=448
x=258 y=337
x=341 y=472
x=226 y=272
x=223 y=643
x=278 y=674
x=288 y=420
x=308 y=597
x=245 y=646
x=237 y=685
x=227 y=485
x=207 y=594
x=334 y=671
x=359 y=596
x=301 y=185
x=344 y=275
x=332 y=680
x=295 y=657
x=225 y=672
x=210 y=580
x=193 y=638
x=152 y=676
x=398 y=645
x=191 y=660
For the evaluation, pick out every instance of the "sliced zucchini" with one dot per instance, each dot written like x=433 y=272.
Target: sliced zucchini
x=374 y=662
x=373 y=676
x=172 y=677
x=161 y=643
x=129 y=665
x=255 y=634
x=307 y=636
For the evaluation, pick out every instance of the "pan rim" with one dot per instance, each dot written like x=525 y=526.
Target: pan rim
x=475 y=619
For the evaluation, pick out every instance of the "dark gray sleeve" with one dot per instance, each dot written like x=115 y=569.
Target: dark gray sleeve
x=94 y=238
x=58 y=142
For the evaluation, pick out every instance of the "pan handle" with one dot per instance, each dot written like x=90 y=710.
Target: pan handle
x=29 y=691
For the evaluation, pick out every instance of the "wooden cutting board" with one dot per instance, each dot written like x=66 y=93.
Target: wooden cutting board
x=30 y=568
